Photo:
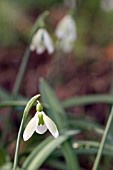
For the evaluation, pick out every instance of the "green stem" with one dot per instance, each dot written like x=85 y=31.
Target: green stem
x=39 y=23
x=18 y=144
x=21 y=72
x=108 y=158
x=98 y=157
x=16 y=89
x=26 y=111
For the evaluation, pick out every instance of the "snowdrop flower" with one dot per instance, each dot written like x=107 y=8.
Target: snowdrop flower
x=107 y=5
x=42 y=41
x=66 y=33
x=39 y=124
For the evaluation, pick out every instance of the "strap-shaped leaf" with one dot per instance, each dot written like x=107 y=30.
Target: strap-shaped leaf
x=53 y=104
x=87 y=100
x=42 y=151
x=60 y=118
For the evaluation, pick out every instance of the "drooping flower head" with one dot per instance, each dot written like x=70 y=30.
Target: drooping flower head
x=39 y=124
x=42 y=41
x=66 y=33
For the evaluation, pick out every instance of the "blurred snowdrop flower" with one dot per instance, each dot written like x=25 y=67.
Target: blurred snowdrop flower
x=66 y=33
x=107 y=5
x=42 y=41
x=39 y=124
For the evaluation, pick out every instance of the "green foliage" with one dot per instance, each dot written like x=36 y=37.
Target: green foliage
x=2 y=157
x=26 y=111
x=63 y=152
x=41 y=152
x=60 y=118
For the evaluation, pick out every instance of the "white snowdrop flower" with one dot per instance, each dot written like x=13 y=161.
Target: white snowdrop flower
x=66 y=33
x=39 y=124
x=42 y=41
x=107 y=5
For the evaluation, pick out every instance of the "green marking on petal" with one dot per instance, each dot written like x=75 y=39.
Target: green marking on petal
x=41 y=121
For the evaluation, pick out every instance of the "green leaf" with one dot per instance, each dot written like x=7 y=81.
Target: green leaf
x=42 y=151
x=4 y=94
x=36 y=151
x=56 y=164
x=9 y=103
x=86 y=100
x=2 y=156
x=58 y=115
x=52 y=103
x=103 y=141
x=91 y=147
x=88 y=125
x=8 y=166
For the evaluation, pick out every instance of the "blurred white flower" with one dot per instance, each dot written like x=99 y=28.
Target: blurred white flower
x=66 y=33
x=39 y=124
x=42 y=41
x=107 y=5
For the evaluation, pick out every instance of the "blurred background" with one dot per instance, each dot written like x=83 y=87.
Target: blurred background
x=88 y=69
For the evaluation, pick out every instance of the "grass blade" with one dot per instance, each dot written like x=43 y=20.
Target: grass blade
x=86 y=100
x=41 y=152
x=102 y=143
x=60 y=118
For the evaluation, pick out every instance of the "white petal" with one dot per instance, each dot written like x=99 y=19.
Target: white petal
x=61 y=27
x=66 y=33
x=32 y=47
x=51 y=126
x=37 y=42
x=40 y=49
x=67 y=46
x=40 y=129
x=34 y=42
x=30 y=128
x=48 y=42
x=40 y=41
x=66 y=29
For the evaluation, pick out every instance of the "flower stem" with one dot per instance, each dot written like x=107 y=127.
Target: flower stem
x=17 y=145
x=107 y=128
x=26 y=111
x=16 y=89
x=37 y=24
x=21 y=72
